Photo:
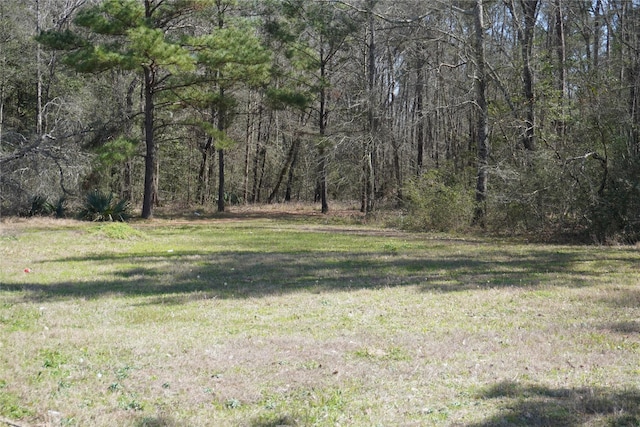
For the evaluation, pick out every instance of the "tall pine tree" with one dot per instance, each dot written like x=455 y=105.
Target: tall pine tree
x=157 y=39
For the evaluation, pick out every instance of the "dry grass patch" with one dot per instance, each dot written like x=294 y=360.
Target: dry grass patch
x=265 y=322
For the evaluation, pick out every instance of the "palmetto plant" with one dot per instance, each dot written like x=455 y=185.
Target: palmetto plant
x=99 y=206
x=40 y=205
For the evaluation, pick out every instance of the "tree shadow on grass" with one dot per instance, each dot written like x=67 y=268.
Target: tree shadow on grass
x=276 y=421
x=533 y=405
x=183 y=275
x=161 y=421
x=626 y=327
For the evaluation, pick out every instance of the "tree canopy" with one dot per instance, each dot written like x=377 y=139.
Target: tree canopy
x=525 y=111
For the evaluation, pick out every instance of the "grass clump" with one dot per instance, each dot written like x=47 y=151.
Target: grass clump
x=117 y=231
x=11 y=406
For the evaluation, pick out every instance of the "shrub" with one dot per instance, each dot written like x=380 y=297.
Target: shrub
x=614 y=217
x=40 y=206
x=436 y=202
x=100 y=206
x=60 y=208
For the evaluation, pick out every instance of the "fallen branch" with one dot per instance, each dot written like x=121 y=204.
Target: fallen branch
x=11 y=423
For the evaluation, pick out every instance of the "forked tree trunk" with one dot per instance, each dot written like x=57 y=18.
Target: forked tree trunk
x=288 y=164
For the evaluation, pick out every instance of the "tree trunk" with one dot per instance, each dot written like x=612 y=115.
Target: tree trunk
x=530 y=8
x=419 y=106
x=397 y=169
x=222 y=122
x=322 y=183
x=260 y=159
x=2 y=89
x=127 y=172
x=288 y=164
x=150 y=181
x=322 y=160
x=561 y=55
x=596 y=34
x=629 y=56
x=247 y=149
x=525 y=31
x=202 y=190
x=483 y=117
x=221 y=127
x=368 y=190
x=287 y=194
x=39 y=83
x=221 y=201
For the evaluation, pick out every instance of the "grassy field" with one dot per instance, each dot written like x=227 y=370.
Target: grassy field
x=252 y=321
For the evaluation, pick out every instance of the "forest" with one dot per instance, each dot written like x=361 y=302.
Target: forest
x=519 y=116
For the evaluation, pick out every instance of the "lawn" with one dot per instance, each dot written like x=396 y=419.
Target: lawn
x=265 y=321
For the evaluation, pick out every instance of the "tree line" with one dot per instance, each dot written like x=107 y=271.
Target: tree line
x=518 y=115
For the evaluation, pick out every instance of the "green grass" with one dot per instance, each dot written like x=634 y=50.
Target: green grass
x=267 y=322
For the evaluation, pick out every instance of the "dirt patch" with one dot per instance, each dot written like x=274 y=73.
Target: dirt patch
x=260 y=211
x=198 y=215
x=294 y=212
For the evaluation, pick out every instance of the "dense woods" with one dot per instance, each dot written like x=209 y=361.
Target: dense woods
x=512 y=115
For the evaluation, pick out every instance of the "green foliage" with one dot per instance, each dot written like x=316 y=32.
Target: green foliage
x=112 y=17
x=54 y=361
x=221 y=139
x=60 y=208
x=40 y=206
x=133 y=41
x=116 y=152
x=280 y=99
x=61 y=40
x=436 y=202
x=151 y=47
x=99 y=206
x=11 y=405
x=94 y=59
x=235 y=53
x=310 y=35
